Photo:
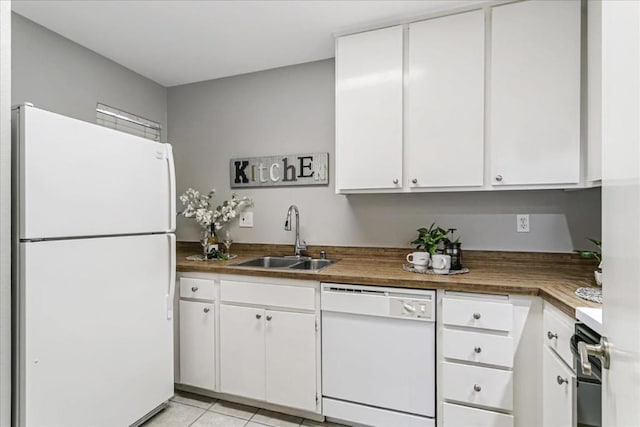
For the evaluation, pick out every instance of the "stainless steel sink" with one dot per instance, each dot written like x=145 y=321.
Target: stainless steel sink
x=289 y=263
x=269 y=262
x=312 y=264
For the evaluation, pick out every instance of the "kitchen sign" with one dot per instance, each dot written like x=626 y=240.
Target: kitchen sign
x=279 y=171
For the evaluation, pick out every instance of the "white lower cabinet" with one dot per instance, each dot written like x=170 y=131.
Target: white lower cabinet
x=270 y=354
x=479 y=333
x=290 y=368
x=197 y=333
x=558 y=392
x=242 y=355
x=558 y=378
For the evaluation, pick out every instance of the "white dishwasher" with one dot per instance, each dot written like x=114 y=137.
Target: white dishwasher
x=378 y=355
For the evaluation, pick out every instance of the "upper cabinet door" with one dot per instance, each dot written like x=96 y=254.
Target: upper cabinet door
x=535 y=93
x=445 y=123
x=369 y=85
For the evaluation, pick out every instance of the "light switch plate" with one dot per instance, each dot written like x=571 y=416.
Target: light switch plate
x=246 y=219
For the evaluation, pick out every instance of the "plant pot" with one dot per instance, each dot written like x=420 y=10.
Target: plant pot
x=598 y=276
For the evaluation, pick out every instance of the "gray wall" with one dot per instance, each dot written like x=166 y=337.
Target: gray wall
x=291 y=110
x=5 y=213
x=58 y=75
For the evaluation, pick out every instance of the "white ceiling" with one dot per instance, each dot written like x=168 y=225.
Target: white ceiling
x=178 y=42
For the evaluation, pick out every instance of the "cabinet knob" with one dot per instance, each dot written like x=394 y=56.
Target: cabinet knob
x=551 y=335
x=194 y=289
x=206 y=309
x=499 y=178
x=269 y=318
x=476 y=387
x=477 y=350
x=562 y=380
x=414 y=180
x=395 y=181
x=258 y=316
x=476 y=316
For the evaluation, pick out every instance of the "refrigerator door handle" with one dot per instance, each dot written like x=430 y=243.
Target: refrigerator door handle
x=172 y=275
x=172 y=191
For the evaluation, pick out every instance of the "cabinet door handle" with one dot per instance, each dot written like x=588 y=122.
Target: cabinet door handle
x=206 y=309
x=194 y=289
x=269 y=318
x=477 y=350
x=414 y=180
x=499 y=178
x=551 y=335
x=476 y=316
x=476 y=387
x=258 y=316
x=562 y=380
x=395 y=181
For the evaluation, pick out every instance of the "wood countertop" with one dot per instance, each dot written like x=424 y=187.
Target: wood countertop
x=551 y=276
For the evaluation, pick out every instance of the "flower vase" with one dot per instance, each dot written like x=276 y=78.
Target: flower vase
x=213 y=239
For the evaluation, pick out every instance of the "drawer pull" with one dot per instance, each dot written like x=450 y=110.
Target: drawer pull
x=194 y=289
x=477 y=350
x=551 y=335
x=476 y=387
x=395 y=181
x=206 y=309
x=499 y=178
x=476 y=316
x=269 y=318
x=258 y=316
x=414 y=181
x=562 y=380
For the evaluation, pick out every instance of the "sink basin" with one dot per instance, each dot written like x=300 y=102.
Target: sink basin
x=269 y=262
x=273 y=262
x=312 y=264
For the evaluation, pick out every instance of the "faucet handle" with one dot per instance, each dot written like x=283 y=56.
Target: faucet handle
x=323 y=255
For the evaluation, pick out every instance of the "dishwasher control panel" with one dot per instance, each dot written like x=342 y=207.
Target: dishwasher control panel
x=415 y=308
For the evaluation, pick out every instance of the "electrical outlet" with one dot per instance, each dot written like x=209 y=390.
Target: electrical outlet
x=522 y=223
x=246 y=219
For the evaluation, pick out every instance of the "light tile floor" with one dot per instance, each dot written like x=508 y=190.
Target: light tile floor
x=186 y=409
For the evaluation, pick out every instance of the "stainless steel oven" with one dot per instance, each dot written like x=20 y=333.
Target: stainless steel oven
x=589 y=385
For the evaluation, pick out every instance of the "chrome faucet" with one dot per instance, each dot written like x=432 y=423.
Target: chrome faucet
x=299 y=246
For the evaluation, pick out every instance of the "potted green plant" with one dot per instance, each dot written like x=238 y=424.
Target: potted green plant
x=594 y=254
x=430 y=238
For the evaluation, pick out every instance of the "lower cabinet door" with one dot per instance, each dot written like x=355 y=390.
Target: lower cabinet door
x=559 y=391
x=464 y=416
x=197 y=345
x=242 y=355
x=291 y=368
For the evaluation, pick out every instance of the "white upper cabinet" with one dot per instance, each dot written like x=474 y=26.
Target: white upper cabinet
x=535 y=93
x=594 y=100
x=444 y=145
x=369 y=86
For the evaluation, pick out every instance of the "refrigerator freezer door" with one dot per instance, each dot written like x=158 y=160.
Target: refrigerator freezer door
x=96 y=344
x=81 y=179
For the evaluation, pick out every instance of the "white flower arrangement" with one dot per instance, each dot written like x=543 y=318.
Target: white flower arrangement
x=197 y=206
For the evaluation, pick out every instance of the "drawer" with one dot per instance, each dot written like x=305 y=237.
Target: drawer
x=477 y=385
x=197 y=288
x=558 y=329
x=463 y=416
x=270 y=295
x=480 y=314
x=478 y=347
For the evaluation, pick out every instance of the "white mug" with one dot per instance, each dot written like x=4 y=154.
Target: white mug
x=441 y=264
x=420 y=260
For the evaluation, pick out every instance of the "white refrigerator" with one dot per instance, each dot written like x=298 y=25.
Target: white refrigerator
x=93 y=273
